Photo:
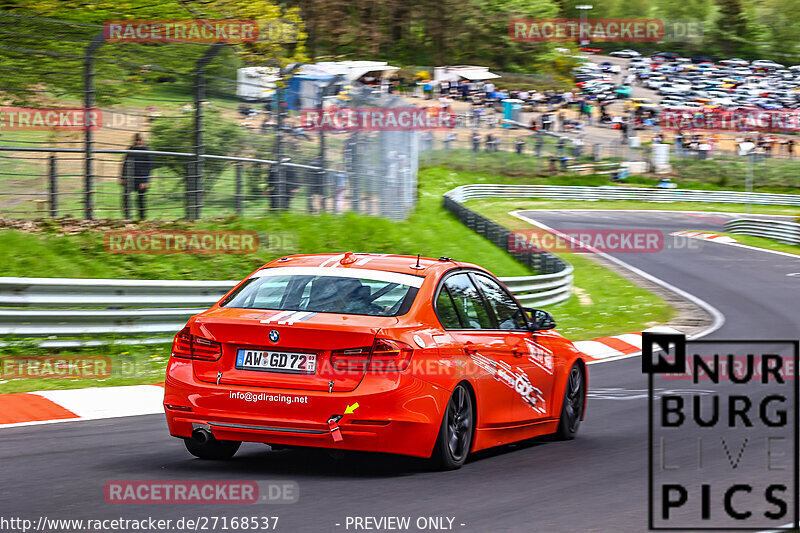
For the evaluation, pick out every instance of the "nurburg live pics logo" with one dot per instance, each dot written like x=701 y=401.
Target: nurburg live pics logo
x=723 y=452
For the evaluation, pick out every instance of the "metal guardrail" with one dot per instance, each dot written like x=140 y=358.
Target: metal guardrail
x=571 y=192
x=777 y=230
x=118 y=293
x=66 y=310
x=37 y=307
x=542 y=290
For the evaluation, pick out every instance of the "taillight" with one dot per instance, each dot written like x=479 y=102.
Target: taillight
x=205 y=349
x=390 y=356
x=182 y=344
x=351 y=359
x=383 y=356
x=190 y=346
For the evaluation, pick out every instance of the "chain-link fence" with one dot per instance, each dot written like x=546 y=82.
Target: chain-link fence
x=209 y=154
x=517 y=151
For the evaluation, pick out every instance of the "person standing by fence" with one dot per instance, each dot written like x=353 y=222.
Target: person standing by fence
x=136 y=175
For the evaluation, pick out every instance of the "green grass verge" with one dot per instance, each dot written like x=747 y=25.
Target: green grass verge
x=609 y=304
x=129 y=365
x=430 y=231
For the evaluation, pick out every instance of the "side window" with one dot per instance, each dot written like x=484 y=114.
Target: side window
x=446 y=310
x=509 y=314
x=468 y=302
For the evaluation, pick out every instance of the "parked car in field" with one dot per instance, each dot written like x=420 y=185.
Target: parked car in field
x=766 y=64
x=674 y=88
x=625 y=53
x=734 y=62
x=666 y=56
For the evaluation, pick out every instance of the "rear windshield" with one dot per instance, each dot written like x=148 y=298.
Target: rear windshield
x=358 y=294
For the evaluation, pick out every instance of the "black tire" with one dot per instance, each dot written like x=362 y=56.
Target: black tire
x=572 y=408
x=212 y=449
x=455 y=434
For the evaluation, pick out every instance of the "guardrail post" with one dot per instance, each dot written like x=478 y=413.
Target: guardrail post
x=53 y=192
x=237 y=199
x=194 y=182
x=88 y=140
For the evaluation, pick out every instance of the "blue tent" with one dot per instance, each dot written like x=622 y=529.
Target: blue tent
x=302 y=91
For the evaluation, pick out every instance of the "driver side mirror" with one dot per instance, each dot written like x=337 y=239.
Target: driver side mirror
x=539 y=319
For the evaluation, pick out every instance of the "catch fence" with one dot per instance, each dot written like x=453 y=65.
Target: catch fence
x=212 y=154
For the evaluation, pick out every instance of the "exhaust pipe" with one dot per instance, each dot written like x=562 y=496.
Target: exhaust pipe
x=202 y=435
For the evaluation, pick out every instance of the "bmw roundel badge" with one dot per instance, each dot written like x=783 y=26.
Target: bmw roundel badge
x=274 y=336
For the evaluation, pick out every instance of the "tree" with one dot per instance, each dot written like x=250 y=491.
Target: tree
x=731 y=26
x=221 y=136
x=44 y=42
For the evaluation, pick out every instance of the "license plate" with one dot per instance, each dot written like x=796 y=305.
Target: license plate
x=297 y=363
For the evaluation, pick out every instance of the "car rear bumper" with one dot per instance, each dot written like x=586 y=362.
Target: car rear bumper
x=395 y=414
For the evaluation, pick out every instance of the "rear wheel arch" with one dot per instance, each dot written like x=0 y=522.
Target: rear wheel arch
x=473 y=396
x=582 y=364
x=567 y=368
x=575 y=384
x=444 y=457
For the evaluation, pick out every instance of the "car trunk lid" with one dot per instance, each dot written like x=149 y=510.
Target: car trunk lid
x=246 y=338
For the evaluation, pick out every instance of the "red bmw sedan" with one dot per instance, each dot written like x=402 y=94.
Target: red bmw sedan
x=424 y=357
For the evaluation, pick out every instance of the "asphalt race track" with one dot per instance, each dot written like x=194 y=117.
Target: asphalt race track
x=597 y=482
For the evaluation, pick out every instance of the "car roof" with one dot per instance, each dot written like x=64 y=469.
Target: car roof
x=404 y=264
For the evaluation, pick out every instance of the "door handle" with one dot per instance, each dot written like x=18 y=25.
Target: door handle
x=516 y=352
x=470 y=348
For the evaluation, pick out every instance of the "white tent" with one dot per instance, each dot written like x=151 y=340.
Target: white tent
x=351 y=70
x=467 y=72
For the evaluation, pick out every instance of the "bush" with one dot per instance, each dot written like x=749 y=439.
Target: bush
x=221 y=136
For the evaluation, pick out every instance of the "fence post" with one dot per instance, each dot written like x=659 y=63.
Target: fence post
x=351 y=165
x=238 y=196
x=53 y=187
x=323 y=178
x=194 y=182
x=279 y=193
x=88 y=119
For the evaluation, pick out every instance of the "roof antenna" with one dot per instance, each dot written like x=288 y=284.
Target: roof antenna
x=417 y=261
x=417 y=266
